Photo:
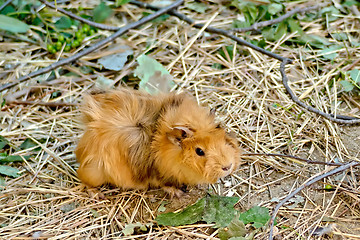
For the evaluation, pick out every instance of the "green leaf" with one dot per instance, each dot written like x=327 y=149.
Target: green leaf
x=229 y=50
x=211 y=209
x=295 y=27
x=101 y=12
x=235 y=229
x=219 y=210
x=275 y=8
x=348 y=86
x=116 y=61
x=63 y=23
x=9 y=171
x=197 y=6
x=28 y=143
x=330 y=52
x=314 y=40
x=281 y=30
x=259 y=216
x=189 y=215
x=130 y=228
x=104 y=83
x=162 y=207
x=14 y=158
x=355 y=75
x=12 y=24
x=340 y=36
x=121 y=2
x=154 y=77
x=3 y=142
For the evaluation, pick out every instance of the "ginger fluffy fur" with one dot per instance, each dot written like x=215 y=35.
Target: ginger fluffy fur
x=135 y=141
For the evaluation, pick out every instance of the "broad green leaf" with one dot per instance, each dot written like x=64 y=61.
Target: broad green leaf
x=331 y=12
x=104 y=83
x=348 y=86
x=189 y=215
x=14 y=158
x=3 y=142
x=258 y=216
x=9 y=171
x=280 y=31
x=12 y=24
x=314 y=40
x=355 y=75
x=63 y=23
x=197 y=6
x=275 y=8
x=235 y=229
x=219 y=210
x=330 y=52
x=211 y=209
x=340 y=36
x=117 y=60
x=121 y=2
x=29 y=143
x=101 y=12
x=162 y=207
x=295 y=27
x=154 y=77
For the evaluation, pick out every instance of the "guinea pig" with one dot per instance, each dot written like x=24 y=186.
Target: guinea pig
x=138 y=141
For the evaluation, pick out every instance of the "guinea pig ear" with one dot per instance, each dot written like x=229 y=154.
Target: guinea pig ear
x=231 y=140
x=179 y=133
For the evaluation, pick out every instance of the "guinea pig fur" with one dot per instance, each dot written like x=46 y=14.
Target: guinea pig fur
x=135 y=141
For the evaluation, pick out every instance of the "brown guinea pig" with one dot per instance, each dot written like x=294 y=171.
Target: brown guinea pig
x=136 y=140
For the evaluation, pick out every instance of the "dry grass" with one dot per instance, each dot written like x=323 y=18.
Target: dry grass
x=48 y=201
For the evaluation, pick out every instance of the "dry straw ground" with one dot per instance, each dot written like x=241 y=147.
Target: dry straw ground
x=48 y=201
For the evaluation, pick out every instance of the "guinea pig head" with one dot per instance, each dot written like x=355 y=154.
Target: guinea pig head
x=205 y=155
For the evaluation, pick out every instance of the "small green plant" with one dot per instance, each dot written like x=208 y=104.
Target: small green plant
x=352 y=82
x=219 y=210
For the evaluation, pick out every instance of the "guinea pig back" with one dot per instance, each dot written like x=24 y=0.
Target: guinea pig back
x=136 y=140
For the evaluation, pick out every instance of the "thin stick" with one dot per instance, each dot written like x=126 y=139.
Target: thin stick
x=94 y=47
x=259 y=25
x=74 y=16
x=294 y=157
x=213 y=30
x=314 y=180
x=337 y=118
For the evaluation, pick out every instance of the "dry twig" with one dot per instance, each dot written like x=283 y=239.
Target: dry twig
x=306 y=184
x=331 y=117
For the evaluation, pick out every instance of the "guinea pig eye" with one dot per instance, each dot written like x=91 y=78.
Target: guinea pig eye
x=199 y=152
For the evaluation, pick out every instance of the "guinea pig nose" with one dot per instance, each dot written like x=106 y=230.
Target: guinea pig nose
x=227 y=168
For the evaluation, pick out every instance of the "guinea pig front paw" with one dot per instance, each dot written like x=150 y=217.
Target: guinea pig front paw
x=174 y=192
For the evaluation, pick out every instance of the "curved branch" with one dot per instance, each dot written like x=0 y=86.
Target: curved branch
x=74 y=16
x=314 y=180
x=213 y=30
x=337 y=118
x=94 y=47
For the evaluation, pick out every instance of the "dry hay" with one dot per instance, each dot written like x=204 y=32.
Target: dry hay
x=48 y=201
